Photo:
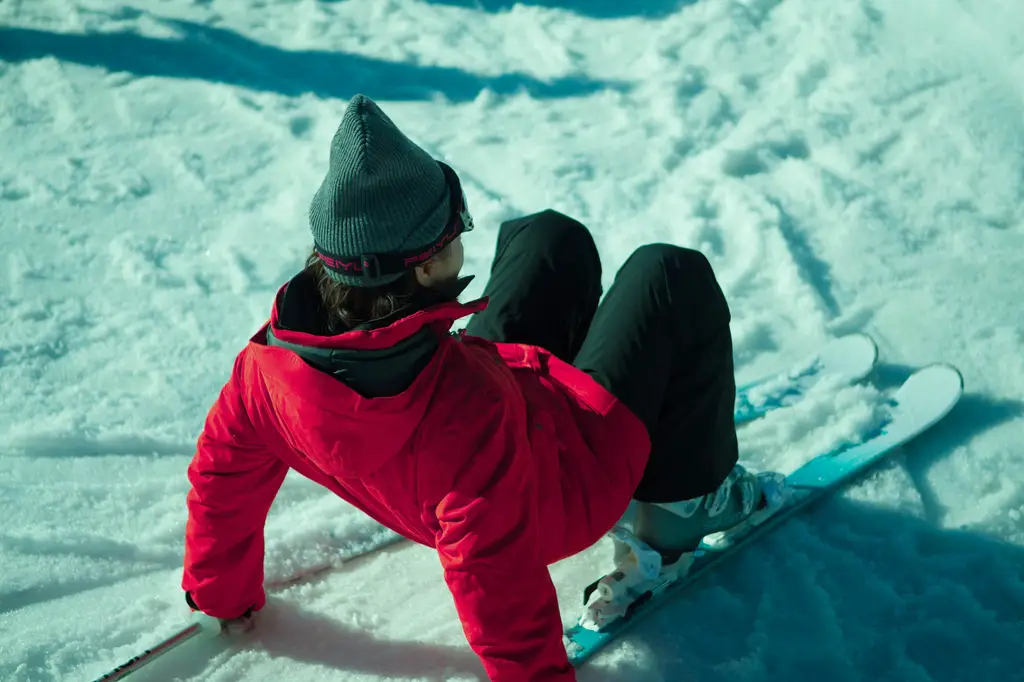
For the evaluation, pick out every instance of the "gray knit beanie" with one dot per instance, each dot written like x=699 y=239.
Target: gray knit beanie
x=383 y=195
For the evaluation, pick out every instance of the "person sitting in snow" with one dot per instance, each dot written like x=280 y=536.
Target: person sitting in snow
x=507 y=447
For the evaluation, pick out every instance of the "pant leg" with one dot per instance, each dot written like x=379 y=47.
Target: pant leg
x=660 y=342
x=544 y=285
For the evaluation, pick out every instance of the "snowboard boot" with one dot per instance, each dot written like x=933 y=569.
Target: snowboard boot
x=774 y=495
x=743 y=500
x=660 y=548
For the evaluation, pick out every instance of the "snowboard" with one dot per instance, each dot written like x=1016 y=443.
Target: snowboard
x=924 y=399
x=842 y=361
x=838 y=362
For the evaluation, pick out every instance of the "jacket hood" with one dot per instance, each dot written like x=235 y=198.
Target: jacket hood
x=364 y=391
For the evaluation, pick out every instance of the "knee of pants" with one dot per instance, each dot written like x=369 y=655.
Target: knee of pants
x=686 y=273
x=564 y=242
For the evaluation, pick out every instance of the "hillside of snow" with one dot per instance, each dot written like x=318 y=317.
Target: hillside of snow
x=850 y=165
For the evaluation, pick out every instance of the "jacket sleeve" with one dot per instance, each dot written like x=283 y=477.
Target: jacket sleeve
x=234 y=481
x=489 y=546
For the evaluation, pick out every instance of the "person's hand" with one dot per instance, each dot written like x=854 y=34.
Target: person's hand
x=217 y=626
x=237 y=626
x=224 y=626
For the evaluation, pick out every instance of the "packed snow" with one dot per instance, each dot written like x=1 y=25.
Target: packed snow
x=850 y=165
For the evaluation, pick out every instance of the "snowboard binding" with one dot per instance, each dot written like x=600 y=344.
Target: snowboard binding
x=639 y=571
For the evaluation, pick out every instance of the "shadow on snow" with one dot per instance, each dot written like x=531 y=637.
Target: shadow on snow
x=219 y=55
x=595 y=9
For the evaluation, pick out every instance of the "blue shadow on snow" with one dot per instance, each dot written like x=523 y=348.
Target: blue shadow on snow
x=219 y=55
x=854 y=591
x=848 y=592
x=595 y=9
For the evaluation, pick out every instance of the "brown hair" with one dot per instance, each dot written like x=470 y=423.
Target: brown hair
x=349 y=306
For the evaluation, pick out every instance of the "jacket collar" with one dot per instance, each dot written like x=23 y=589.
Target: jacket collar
x=438 y=309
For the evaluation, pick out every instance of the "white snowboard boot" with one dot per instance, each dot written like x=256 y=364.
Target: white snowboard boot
x=774 y=495
x=741 y=502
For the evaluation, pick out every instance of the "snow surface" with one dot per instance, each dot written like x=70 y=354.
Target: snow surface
x=850 y=165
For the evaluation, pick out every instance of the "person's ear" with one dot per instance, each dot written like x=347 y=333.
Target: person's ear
x=426 y=271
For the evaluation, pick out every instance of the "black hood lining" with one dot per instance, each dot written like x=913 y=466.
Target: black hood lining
x=372 y=373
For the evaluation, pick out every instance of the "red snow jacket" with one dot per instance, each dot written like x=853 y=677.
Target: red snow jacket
x=502 y=457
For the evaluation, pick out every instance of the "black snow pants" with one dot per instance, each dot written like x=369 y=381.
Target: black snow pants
x=659 y=340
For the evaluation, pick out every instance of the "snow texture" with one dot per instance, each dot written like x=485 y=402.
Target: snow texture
x=851 y=165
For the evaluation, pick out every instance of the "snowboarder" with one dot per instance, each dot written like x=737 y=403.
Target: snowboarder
x=507 y=447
